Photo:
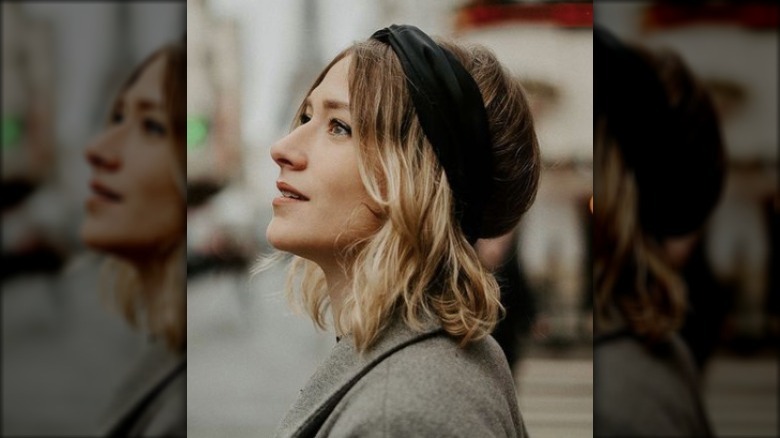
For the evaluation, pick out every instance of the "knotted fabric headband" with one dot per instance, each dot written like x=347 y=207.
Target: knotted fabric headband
x=452 y=115
x=664 y=144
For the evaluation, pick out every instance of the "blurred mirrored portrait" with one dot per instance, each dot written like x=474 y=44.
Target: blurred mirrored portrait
x=135 y=215
x=94 y=228
x=684 y=218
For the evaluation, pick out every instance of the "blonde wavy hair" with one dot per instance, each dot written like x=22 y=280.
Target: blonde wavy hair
x=161 y=312
x=632 y=273
x=418 y=263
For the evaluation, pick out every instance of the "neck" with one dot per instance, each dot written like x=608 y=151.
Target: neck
x=338 y=285
x=152 y=281
x=151 y=275
x=152 y=269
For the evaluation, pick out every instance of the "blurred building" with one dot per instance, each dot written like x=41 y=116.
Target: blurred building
x=31 y=240
x=220 y=228
x=549 y=46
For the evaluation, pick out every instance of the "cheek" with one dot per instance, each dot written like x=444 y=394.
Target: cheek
x=160 y=204
x=151 y=217
x=352 y=210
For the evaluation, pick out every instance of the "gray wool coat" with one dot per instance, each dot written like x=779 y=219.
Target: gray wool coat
x=409 y=384
x=152 y=399
x=646 y=392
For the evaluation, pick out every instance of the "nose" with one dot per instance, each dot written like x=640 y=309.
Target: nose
x=102 y=152
x=288 y=152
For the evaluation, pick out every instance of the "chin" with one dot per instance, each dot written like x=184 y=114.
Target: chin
x=283 y=240
x=90 y=237
x=99 y=243
x=277 y=238
x=102 y=241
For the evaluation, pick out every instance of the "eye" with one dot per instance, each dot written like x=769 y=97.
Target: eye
x=338 y=127
x=154 y=127
x=304 y=118
x=115 y=118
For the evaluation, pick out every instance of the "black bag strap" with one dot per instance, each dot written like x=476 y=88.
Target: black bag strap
x=125 y=425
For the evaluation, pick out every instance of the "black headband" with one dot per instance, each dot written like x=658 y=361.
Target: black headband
x=663 y=143
x=452 y=114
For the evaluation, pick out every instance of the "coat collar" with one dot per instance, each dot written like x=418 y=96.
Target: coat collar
x=342 y=369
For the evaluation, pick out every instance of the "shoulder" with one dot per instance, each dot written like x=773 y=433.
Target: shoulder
x=657 y=369
x=434 y=388
x=438 y=366
x=646 y=391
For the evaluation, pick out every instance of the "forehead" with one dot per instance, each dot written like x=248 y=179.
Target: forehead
x=148 y=86
x=335 y=84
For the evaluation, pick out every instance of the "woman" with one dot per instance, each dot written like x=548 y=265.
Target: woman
x=404 y=153
x=659 y=157
x=136 y=215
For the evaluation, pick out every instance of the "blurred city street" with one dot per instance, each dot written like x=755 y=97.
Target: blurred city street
x=64 y=352
x=741 y=396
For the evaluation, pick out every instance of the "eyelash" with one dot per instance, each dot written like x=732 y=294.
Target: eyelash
x=150 y=126
x=305 y=118
x=154 y=127
x=341 y=125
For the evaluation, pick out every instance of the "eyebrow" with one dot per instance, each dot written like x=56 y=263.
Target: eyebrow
x=142 y=104
x=329 y=104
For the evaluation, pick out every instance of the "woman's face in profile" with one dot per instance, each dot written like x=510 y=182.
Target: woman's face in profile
x=135 y=208
x=321 y=196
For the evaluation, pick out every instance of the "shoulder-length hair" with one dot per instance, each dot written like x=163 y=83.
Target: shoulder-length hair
x=162 y=312
x=632 y=273
x=418 y=263
x=634 y=276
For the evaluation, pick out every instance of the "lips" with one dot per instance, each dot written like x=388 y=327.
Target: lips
x=104 y=192
x=290 y=192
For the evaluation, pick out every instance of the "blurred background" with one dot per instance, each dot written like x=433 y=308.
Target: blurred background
x=733 y=326
x=64 y=351
x=249 y=66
